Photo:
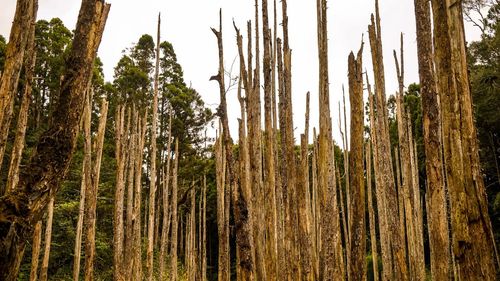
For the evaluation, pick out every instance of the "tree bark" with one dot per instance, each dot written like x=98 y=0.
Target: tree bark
x=173 y=244
x=357 y=226
x=47 y=242
x=371 y=212
x=40 y=180
x=35 y=251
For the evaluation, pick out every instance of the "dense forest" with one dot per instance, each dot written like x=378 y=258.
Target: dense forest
x=122 y=179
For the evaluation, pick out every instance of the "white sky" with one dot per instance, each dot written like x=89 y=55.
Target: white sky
x=186 y=24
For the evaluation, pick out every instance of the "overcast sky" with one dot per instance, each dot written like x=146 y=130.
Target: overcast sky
x=186 y=24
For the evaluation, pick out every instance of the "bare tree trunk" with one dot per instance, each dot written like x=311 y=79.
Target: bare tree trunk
x=21 y=209
x=22 y=120
x=91 y=194
x=86 y=182
x=315 y=207
x=192 y=237
x=470 y=222
x=399 y=270
x=47 y=242
x=357 y=226
x=371 y=212
x=35 y=251
x=204 y=232
x=331 y=263
x=14 y=57
x=303 y=209
x=120 y=154
x=132 y=148
x=166 y=213
x=173 y=244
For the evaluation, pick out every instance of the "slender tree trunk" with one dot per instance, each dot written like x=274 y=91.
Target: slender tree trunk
x=173 y=244
x=47 y=242
x=86 y=183
x=331 y=264
x=371 y=212
x=21 y=209
x=303 y=210
x=120 y=154
x=22 y=120
x=129 y=240
x=14 y=57
x=315 y=207
x=357 y=225
x=35 y=251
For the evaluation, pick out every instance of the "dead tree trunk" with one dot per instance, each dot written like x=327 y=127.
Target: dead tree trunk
x=21 y=209
x=357 y=227
x=399 y=270
x=22 y=120
x=91 y=194
x=47 y=242
x=14 y=56
x=35 y=251
x=331 y=263
x=470 y=222
x=152 y=186
x=371 y=212
x=132 y=148
x=173 y=244
x=86 y=182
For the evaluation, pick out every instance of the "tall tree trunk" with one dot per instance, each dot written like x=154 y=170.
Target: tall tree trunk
x=121 y=134
x=35 y=251
x=331 y=263
x=357 y=226
x=152 y=186
x=175 y=227
x=91 y=194
x=21 y=209
x=470 y=222
x=22 y=120
x=305 y=244
x=47 y=242
x=166 y=213
x=204 y=232
x=14 y=58
x=399 y=270
x=86 y=182
x=132 y=148
x=371 y=212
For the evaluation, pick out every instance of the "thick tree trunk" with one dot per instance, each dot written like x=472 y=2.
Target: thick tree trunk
x=91 y=194
x=47 y=242
x=152 y=186
x=357 y=226
x=14 y=58
x=86 y=182
x=470 y=222
x=331 y=262
x=175 y=227
x=21 y=209
x=22 y=120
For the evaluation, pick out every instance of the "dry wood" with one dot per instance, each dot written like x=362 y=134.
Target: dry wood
x=35 y=251
x=47 y=242
x=173 y=244
x=371 y=212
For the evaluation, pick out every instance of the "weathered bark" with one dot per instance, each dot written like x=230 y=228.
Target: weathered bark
x=20 y=33
x=470 y=222
x=166 y=213
x=204 y=232
x=22 y=119
x=305 y=244
x=371 y=212
x=315 y=207
x=173 y=244
x=40 y=179
x=121 y=134
x=47 y=242
x=331 y=262
x=35 y=251
x=152 y=186
x=132 y=148
x=357 y=227
x=91 y=194
x=399 y=270
x=86 y=182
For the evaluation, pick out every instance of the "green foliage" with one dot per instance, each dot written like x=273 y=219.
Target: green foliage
x=3 y=49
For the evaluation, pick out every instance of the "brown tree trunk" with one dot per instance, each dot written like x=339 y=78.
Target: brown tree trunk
x=152 y=186
x=22 y=120
x=371 y=212
x=132 y=148
x=21 y=209
x=14 y=58
x=357 y=227
x=331 y=263
x=175 y=227
x=35 y=251
x=470 y=222
x=303 y=209
x=47 y=242
x=86 y=182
